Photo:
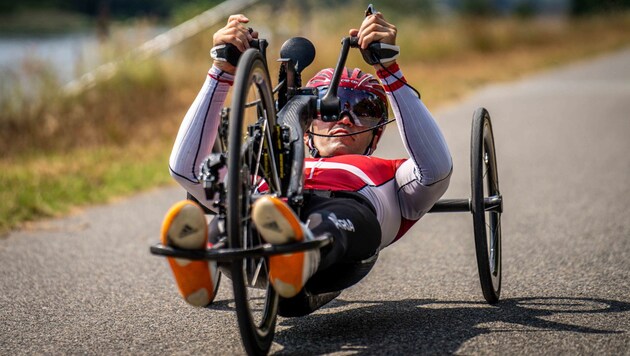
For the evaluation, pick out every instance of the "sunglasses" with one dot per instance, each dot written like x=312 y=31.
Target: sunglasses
x=364 y=108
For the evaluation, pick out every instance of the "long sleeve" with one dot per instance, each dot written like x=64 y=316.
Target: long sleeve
x=198 y=132
x=422 y=179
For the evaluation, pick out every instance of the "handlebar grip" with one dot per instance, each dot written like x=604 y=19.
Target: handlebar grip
x=230 y=53
x=354 y=42
x=376 y=51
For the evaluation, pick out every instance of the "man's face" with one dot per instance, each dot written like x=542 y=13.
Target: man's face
x=340 y=145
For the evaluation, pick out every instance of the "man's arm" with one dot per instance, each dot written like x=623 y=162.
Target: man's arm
x=198 y=132
x=421 y=135
x=420 y=132
x=425 y=176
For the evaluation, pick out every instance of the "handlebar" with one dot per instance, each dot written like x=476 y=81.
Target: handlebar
x=330 y=105
x=230 y=53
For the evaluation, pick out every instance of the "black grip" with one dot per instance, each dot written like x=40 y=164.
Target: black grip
x=373 y=54
x=230 y=52
x=354 y=42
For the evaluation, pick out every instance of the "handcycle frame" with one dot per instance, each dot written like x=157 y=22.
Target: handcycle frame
x=292 y=110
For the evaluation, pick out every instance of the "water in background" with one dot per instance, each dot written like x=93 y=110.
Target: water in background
x=66 y=56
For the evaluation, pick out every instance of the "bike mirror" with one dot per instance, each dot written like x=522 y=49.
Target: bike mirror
x=300 y=50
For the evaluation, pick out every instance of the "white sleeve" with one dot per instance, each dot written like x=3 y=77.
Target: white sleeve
x=423 y=179
x=198 y=131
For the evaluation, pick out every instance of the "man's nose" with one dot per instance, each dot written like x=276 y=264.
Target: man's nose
x=346 y=119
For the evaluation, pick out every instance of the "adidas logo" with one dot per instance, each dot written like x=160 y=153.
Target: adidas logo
x=272 y=225
x=186 y=231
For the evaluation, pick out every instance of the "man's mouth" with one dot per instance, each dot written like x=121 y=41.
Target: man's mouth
x=339 y=131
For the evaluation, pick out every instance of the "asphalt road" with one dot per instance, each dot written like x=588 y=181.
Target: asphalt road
x=87 y=283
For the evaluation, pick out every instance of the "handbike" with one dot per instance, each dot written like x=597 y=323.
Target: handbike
x=260 y=144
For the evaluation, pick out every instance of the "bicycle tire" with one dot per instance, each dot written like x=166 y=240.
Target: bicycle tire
x=256 y=322
x=486 y=224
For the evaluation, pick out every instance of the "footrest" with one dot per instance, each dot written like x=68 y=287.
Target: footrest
x=229 y=254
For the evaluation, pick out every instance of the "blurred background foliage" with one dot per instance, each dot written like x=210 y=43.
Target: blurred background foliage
x=431 y=32
x=175 y=9
x=60 y=151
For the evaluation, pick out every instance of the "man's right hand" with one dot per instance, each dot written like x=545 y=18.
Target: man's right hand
x=235 y=33
x=375 y=28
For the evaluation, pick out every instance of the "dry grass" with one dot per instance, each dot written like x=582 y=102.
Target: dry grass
x=115 y=139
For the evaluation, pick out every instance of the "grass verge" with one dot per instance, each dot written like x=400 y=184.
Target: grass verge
x=46 y=185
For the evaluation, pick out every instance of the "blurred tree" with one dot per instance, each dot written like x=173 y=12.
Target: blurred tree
x=585 y=7
x=117 y=8
x=7 y=7
x=477 y=7
x=422 y=8
x=103 y=20
x=524 y=9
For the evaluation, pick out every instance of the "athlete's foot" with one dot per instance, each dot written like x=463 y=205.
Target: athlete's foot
x=185 y=227
x=278 y=224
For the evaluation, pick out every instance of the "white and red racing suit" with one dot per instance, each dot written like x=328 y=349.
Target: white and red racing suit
x=400 y=191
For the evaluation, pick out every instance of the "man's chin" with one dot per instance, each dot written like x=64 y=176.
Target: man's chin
x=339 y=150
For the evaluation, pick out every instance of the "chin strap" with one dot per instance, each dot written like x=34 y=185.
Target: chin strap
x=375 y=136
x=311 y=146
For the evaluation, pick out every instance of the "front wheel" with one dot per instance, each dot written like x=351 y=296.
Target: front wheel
x=251 y=166
x=486 y=206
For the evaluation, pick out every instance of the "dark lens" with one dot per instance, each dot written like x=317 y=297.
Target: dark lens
x=368 y=107
x=365 y=106
x=361 y=103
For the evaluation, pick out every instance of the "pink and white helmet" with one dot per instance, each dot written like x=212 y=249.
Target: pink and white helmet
x=352 y=79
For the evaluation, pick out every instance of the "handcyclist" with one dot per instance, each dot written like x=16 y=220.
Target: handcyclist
x=365 y=203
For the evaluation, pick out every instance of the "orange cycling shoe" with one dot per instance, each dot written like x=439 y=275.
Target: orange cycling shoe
x=185 y=227
x=278 y=224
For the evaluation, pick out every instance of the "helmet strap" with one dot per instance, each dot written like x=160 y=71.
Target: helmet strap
x=311 y=146
x=375 y=135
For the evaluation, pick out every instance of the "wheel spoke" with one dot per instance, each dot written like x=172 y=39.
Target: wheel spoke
x=491 y=247
x=493 y=224
x=485 y=164
x=260 y=151
x=494 y=245
x=257 y=272
x=275 y=179
x=253 y=103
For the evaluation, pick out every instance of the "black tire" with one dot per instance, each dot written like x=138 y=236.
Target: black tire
x=255 y=299
x=486 y=216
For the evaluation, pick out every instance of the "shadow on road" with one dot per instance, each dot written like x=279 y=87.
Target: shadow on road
x=418 y=326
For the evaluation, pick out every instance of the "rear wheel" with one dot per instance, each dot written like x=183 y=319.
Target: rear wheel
x=486 y=206
x=252 y=116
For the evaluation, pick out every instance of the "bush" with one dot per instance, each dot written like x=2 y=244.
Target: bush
x=585 y=7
